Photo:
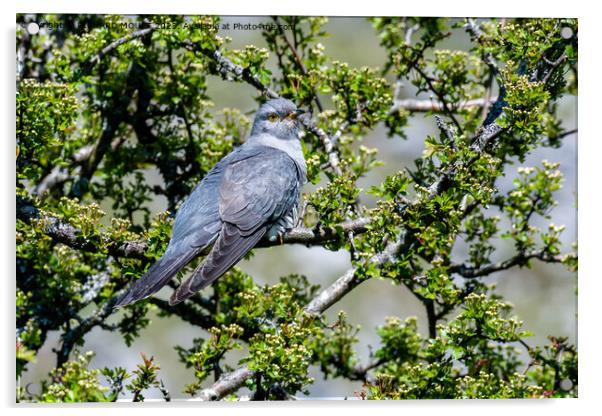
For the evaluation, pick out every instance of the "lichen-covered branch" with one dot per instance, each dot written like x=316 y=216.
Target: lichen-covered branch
x=64 y=233
x=125 y=39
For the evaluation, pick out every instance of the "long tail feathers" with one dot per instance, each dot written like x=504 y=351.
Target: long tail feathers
x=229 y=248
x=156 y=277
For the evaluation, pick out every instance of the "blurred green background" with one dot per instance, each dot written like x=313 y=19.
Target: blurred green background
x=544 y=297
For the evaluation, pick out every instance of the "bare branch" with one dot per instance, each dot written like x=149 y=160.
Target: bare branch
x=59 y=175
x=446 y=107
x=448 y=130
x=553 y=66
x=521 y=259
x=73 y=335
x=327 y=143
x=477 y=35
x=348 y=281
x=187 y=311
x=226 y=384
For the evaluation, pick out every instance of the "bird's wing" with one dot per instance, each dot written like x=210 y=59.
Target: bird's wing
x=196 y=226
x=254 y=192
x=156 y=277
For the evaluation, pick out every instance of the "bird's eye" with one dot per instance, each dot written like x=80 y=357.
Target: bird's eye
x=292 y=115
x=273 y=117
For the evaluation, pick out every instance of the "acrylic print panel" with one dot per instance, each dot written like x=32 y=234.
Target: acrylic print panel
x=420 y=245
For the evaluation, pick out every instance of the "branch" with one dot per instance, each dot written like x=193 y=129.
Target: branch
x=348 y=281
x=566 y=133
x=297 y=59
x=446 y=109
x=64 y=233
x=114 y=45
x=226 y=384
x=553 y=66
x=360 y=373
x=422 y=106
x=477 y=35
x=59 y=175
x=520 y=259
x=225 y=67
x=327 y=143
x=317 y=236
x=328 y=297
x=186 y=311
x=72 y=336
x=449 y=131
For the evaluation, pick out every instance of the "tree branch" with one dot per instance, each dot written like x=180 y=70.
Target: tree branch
x=520 y=259
x=226 y=384
x=327 y=143
x=422 y=106
x=325 y=299
x=114 y=45
x=73 y=335
x=446 y=109
x=64 y=233
x=225 y=67
x=186 y=311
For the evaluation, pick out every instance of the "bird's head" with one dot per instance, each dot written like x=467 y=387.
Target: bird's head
x=278 y=117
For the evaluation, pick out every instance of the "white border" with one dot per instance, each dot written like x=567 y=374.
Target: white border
x=590 y=110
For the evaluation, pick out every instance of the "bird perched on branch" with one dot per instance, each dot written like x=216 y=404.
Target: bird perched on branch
x=253 y=192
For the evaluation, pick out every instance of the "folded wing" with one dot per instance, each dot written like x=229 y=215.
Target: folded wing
x=254 y=193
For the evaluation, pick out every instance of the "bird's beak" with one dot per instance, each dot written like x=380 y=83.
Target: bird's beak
x=300 y=111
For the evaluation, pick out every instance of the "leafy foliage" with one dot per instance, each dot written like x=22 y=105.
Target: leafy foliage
x=103 y=112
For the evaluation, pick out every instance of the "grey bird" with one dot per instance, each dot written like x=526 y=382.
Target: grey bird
x=252 y=192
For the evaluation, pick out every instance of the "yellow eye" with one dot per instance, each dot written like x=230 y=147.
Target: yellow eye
x=273 y=117
x=292 y=115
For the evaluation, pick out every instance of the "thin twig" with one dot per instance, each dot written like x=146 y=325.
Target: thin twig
x=520 y=259
x=298 y=59
x=114 y=45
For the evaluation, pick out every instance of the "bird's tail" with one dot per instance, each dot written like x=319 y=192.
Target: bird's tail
x=156 y=277
x=230 y=247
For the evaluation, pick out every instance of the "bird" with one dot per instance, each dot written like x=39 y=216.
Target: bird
x=251 y=193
